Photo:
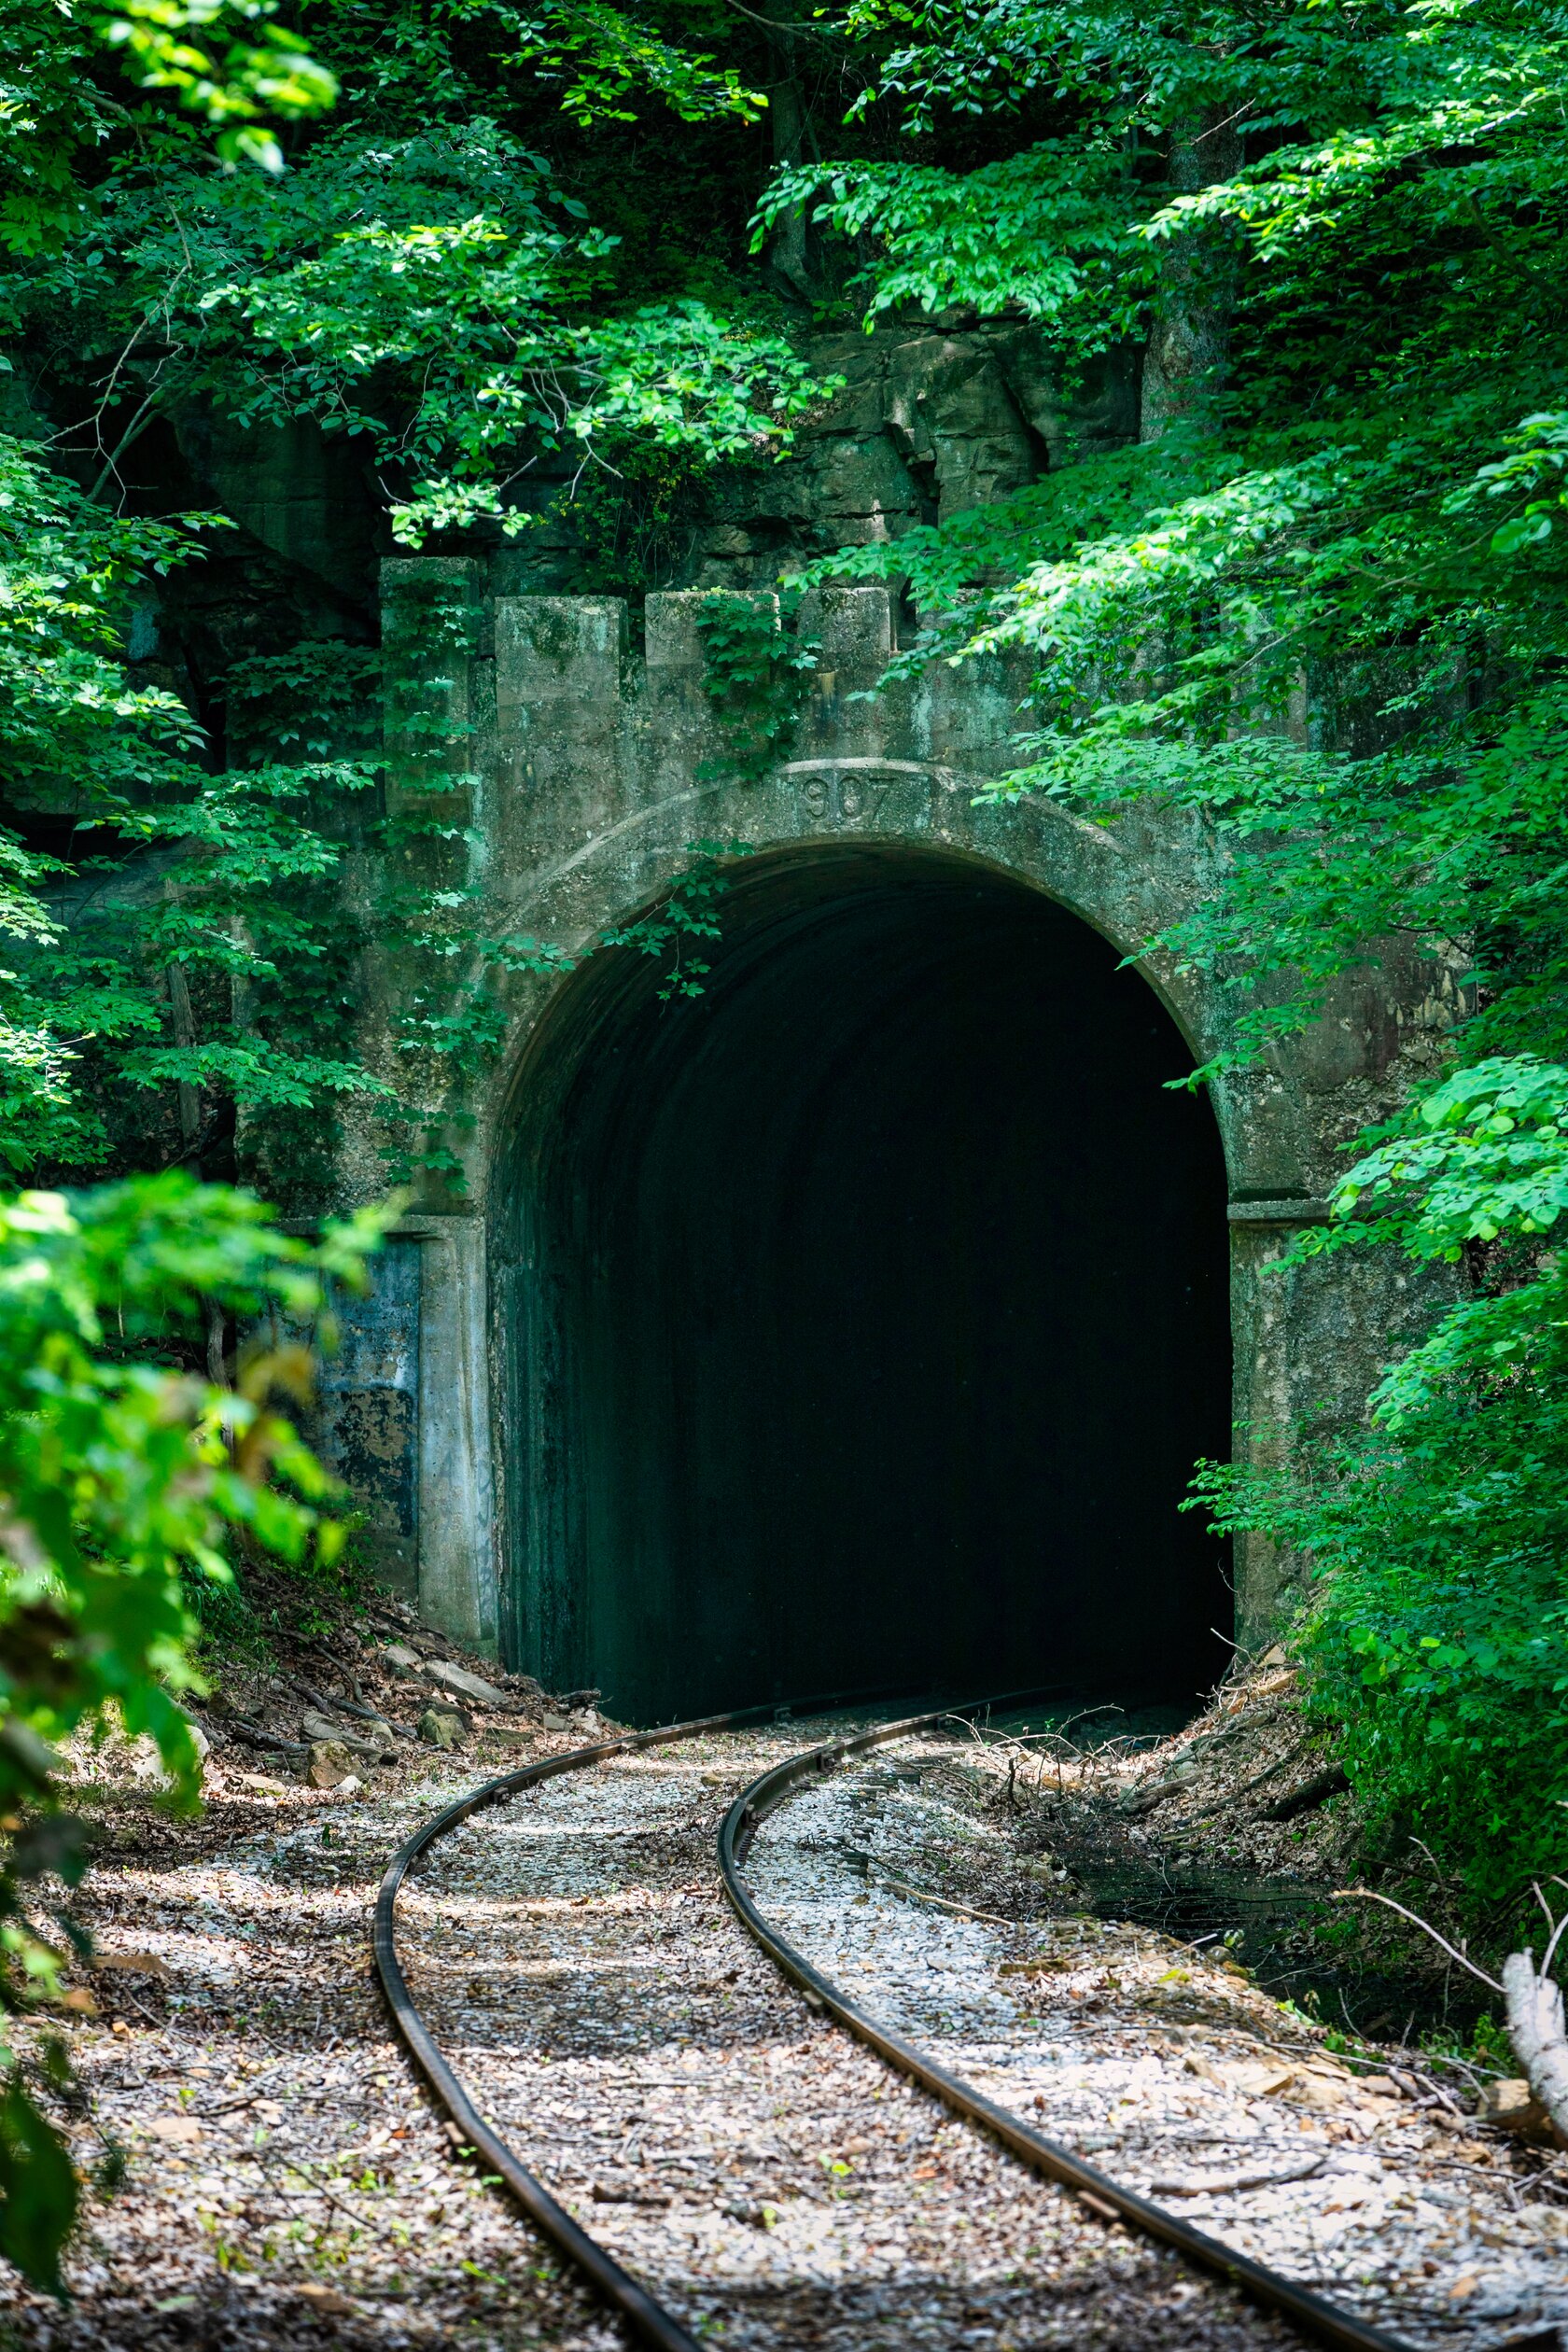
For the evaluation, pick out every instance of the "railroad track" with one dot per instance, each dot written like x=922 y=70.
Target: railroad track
x=609 y=2041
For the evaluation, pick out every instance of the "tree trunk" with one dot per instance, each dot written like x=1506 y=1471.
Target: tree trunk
x=788 y=119
x=190 y=1130
x=185 y=1036
x=1188 y=347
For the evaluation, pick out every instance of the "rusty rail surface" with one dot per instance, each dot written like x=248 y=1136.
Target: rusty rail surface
x=648 y=2321
x=1315 y=2316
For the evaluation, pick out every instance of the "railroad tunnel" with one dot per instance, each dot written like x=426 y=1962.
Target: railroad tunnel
x=866 y=1312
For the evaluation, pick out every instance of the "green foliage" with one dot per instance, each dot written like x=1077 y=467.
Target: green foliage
x=1046 y=231
x=264 y=70
x=1537 y=455
x=425 y=287
x=98 y=1002
x=470 y=325
x=1438 y=1640
x=122 y=1474
x=1439 y=1633
x=1326 y=618
x=629 y=508
x=225 y=59
x=605 y=56
x=38 y=2190
x=1481 y=1155
x=50 y=111
x=688 y=911
x=1449 y=843
x=754 y=674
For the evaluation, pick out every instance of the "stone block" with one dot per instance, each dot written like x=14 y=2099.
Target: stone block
x=457 y=573
x=671 y=622
x=330 y=1766
x=853 y=628
x=369 y=1427
x=1100 y=413
x=554 y=649
x=1511 y=2106
x=462 y=1684
x=946 y=384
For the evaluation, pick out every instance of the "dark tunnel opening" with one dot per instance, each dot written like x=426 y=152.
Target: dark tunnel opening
x=866 y=1312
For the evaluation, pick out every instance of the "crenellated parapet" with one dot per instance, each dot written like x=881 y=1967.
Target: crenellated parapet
x=586 y=757
x=566 y=683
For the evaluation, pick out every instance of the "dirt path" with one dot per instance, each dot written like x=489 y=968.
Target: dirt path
x=767 y=2177
x=289 y=2186
x=1166 y=2066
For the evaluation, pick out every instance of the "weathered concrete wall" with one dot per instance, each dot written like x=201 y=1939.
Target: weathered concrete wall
x=576 y=773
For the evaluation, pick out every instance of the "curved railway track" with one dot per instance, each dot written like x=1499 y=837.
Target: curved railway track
x=649 y=2321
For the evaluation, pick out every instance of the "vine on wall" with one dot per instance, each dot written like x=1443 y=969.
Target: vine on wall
x=450 y=1020
x=754 y=676
x=688 y=911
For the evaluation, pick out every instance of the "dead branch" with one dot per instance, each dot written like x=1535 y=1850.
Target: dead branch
x=1364 y=1895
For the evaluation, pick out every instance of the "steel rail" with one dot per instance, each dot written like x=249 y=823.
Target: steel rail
x=647 y=2320
x=1310 y=2313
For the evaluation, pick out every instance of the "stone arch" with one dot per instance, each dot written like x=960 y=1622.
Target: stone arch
x=1121 y=886
x=600 y=1088
x=590 y=767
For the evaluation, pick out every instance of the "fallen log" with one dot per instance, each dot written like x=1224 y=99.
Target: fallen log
x=1536 y=2029
x=1329 y=1783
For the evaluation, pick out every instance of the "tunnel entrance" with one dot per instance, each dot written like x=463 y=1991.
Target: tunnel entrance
x=866 y=1313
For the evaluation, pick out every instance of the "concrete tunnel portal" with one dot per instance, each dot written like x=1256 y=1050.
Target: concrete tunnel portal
x=866 y=1313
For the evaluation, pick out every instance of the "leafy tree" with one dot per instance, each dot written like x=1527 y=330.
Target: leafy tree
x=124 y=1478
x=112 y=992
x=1322 y=604
x=1439 y=1633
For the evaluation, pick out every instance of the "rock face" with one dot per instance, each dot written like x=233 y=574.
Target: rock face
x=932 y=418
x=927 y=424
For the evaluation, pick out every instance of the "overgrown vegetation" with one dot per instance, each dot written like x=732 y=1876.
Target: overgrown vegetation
x=189 y=771
x=495 y=267
x=124 y=1476
x=754 y=675
x=1441 y=1630
x=1322 y=607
